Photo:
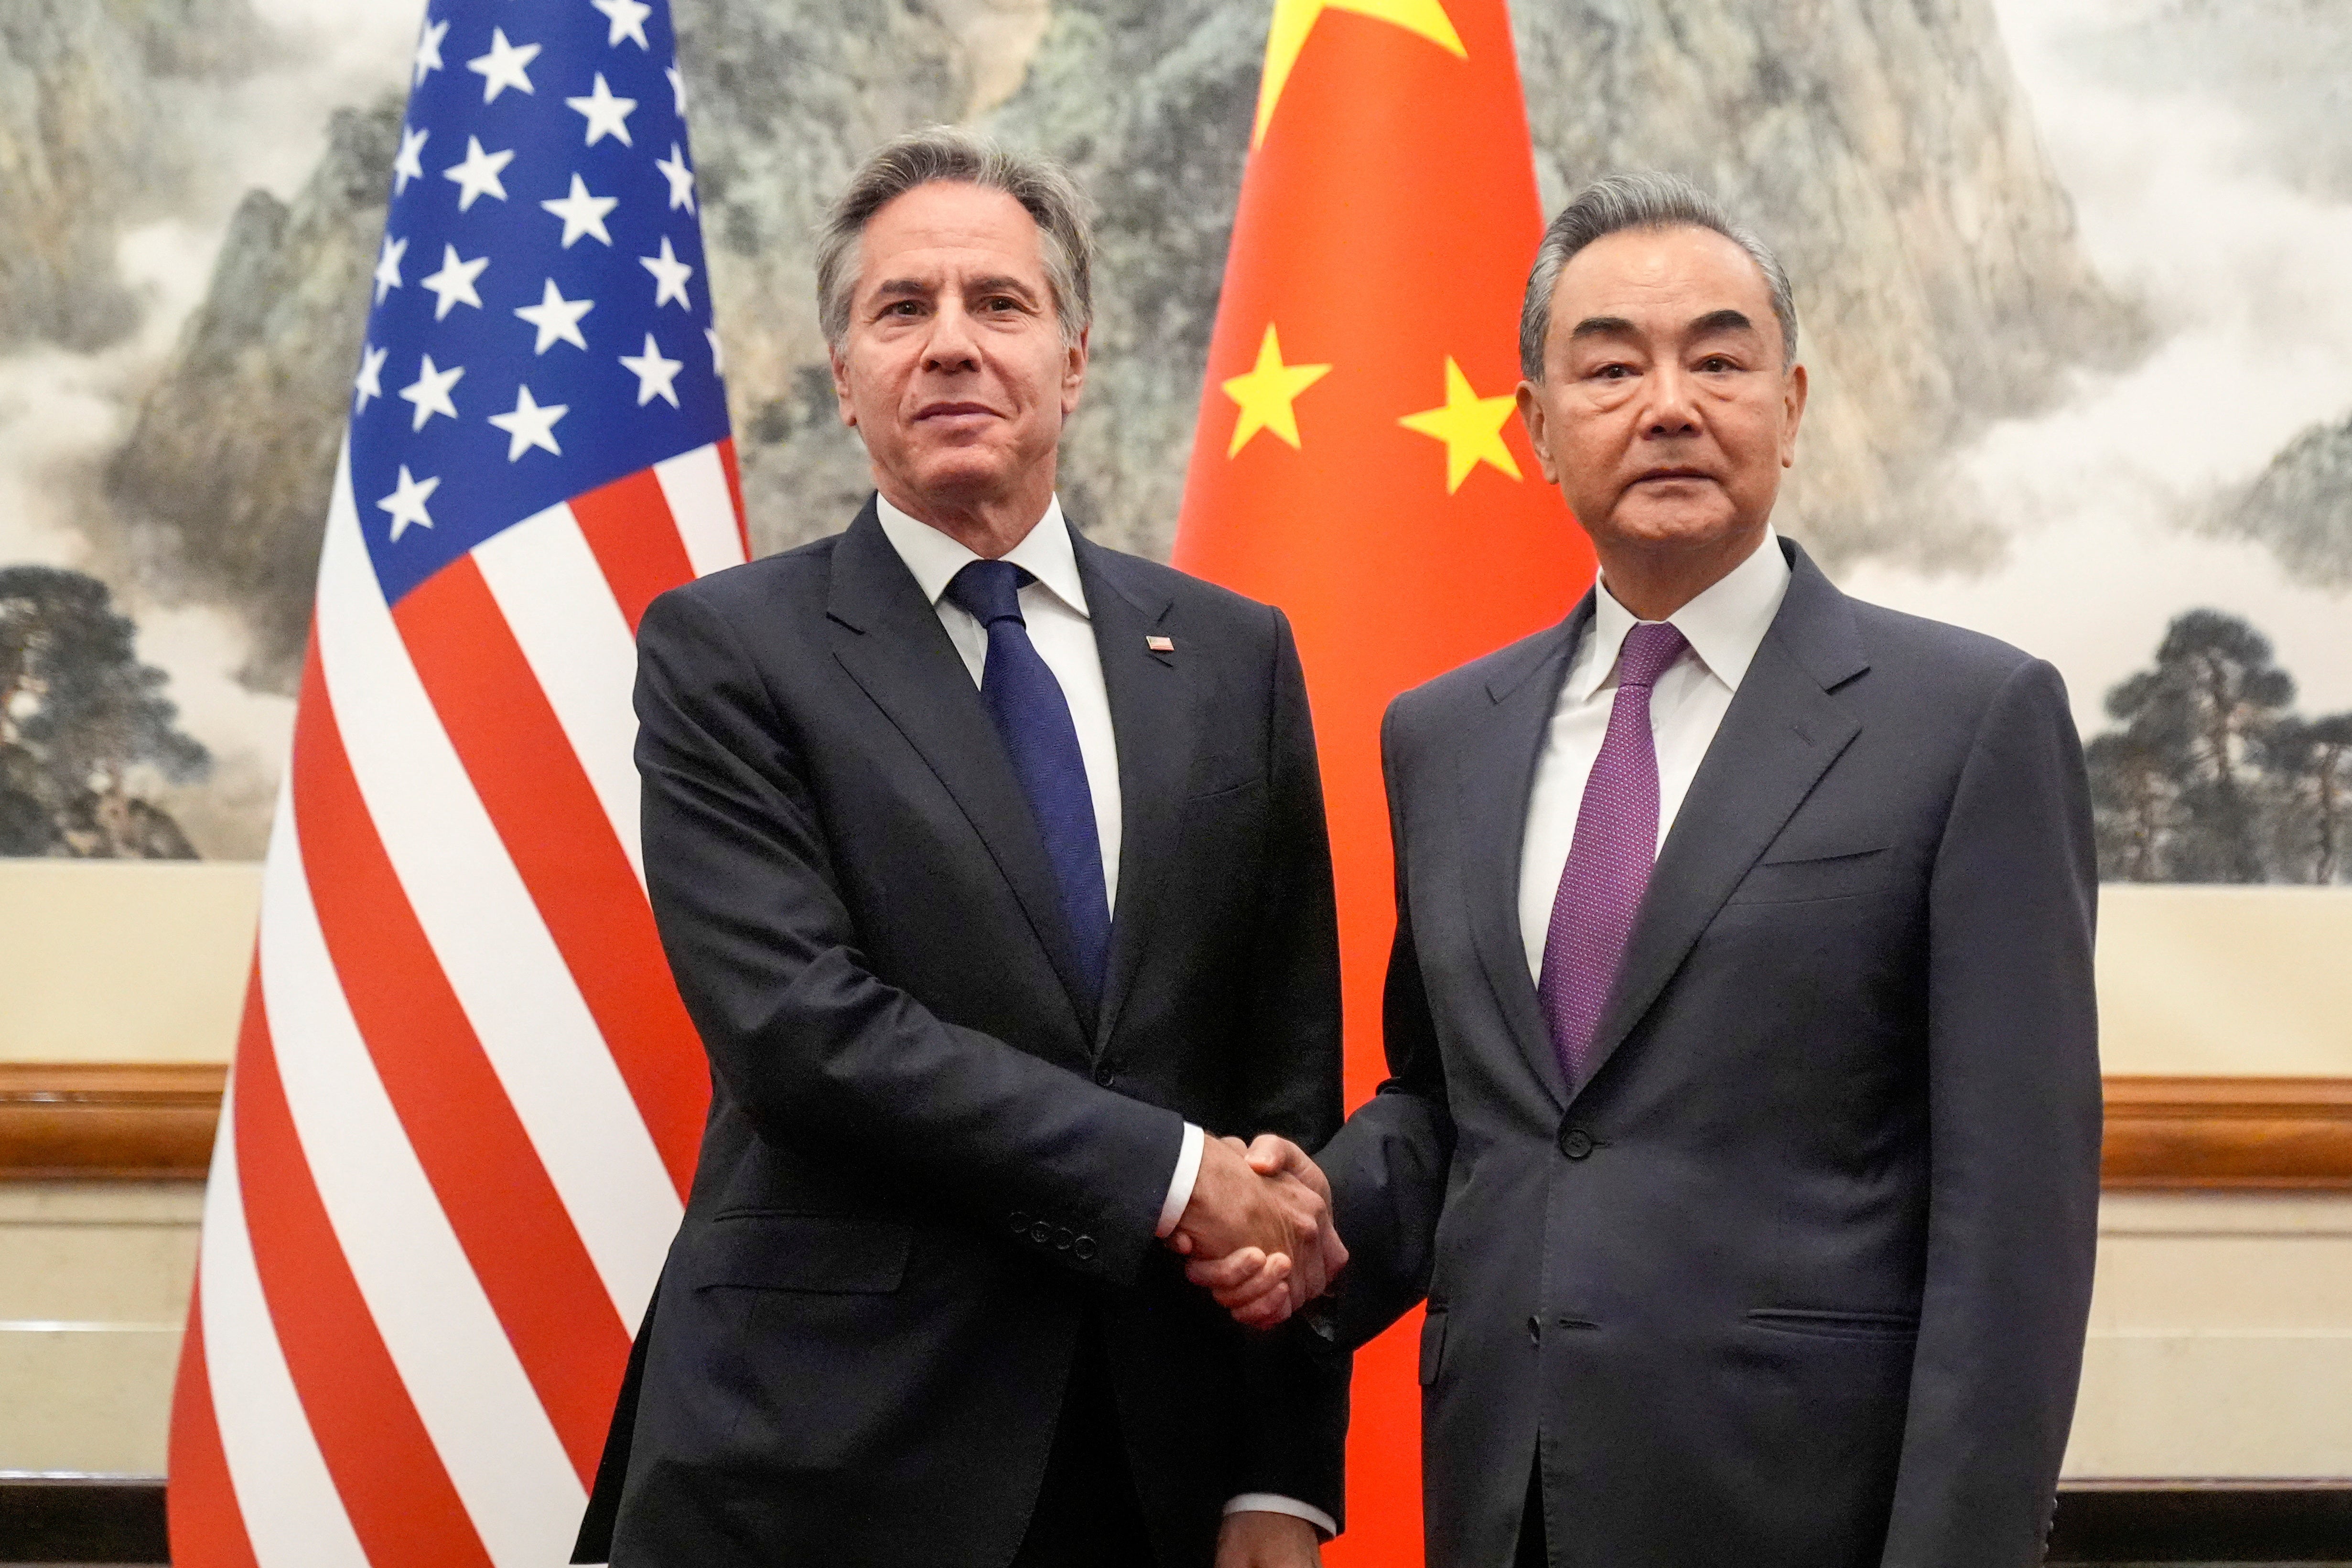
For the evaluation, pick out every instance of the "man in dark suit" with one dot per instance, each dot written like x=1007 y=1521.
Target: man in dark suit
x=1743 y=1133
x=992 y=866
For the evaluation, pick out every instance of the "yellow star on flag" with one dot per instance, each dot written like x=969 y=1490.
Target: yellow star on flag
x=1265 y=393
x=1470 y=425
x=1294 y=19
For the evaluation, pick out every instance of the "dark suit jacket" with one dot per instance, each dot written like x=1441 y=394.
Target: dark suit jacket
x=928 y=1159
x=1798 y=1279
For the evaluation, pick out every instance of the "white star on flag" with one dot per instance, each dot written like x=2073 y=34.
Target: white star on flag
x=430 y=392
x=680 y=178
x=428 y=52
x=677 y=89
x=406 y=504
x=669 y=276
x=556 y=319
x=531 y=424
x=454 y=284
x=479 y=174
x=387 y=267
x=717 y=359
x=628 y=19
x=408 y=163
x=581 y=213
x=653 y=373
x=503 y=66
x=607 y=115
x=367 y=382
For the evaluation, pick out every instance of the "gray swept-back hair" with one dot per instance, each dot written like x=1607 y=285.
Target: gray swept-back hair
x=943 y=152
x=1620 y=201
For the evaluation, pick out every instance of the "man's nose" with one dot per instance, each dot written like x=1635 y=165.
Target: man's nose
x=952 y=344
x=1673 y=405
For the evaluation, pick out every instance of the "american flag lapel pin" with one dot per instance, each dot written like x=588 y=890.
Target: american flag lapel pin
x=1160 y=644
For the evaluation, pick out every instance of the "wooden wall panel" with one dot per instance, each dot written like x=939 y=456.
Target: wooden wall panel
x=2220 y=1133
x=94 y=1120
x=154 y=1121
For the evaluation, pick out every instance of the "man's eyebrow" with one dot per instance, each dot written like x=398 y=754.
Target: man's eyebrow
x=1602 y=327
x=901 y=288
x=1724 y=321
x=1005 y=285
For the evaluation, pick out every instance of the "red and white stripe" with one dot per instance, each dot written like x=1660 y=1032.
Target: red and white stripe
x=466 y=1101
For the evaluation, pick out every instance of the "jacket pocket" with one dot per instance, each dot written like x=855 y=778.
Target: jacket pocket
x=1432 y=1345
x=1822 y=1324
x=829 y=1254
x=1233 y=791
x=1801 y=880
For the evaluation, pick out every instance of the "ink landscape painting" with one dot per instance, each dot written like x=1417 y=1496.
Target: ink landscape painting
x=2070 y=272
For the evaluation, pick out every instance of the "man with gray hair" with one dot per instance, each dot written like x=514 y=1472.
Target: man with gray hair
x=1743 y=1130
x=992 y=867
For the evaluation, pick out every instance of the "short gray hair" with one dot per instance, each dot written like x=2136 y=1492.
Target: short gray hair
x=1620 y=201
x=943 y=152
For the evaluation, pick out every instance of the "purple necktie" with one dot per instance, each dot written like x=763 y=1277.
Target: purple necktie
x=1610 y=858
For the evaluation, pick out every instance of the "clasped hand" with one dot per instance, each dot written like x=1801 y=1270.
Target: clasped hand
x=1258 y=1229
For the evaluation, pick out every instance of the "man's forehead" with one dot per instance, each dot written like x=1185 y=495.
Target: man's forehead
x=944 y=227
x=1683 y=275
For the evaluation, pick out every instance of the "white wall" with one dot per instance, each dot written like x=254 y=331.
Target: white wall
x=2221 y=1338
x=2221 y=1333
x=124 y=960
x=94 y=1279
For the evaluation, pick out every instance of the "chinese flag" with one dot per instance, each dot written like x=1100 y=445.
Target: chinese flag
x=1358 y=462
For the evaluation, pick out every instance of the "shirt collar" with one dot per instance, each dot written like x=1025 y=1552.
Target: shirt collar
x=1724 y=626
x=1045 y=553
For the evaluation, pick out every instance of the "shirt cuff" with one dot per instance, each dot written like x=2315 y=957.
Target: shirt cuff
x=1179 y=1186
x=1274 y=1503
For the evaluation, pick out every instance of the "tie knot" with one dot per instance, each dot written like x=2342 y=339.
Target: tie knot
x=989 y=590
x=1650 y=647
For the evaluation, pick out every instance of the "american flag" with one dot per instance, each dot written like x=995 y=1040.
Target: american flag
x=465 y=1103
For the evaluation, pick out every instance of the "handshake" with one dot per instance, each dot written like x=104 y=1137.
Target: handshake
x=1258 y=1231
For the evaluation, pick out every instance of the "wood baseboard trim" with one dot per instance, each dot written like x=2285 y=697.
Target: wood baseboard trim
x=2304 y=1521
x=107 y=1121
x=120 y=1520
x=97 y=1121
x=2228 y=1134
x=82 y=1519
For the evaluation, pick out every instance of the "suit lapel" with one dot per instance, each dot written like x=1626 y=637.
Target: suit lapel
x=1496 y=775
x=1152 y=710
x=891 y=641
x=1781 y=734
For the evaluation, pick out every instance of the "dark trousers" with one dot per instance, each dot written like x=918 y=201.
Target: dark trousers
x=1532 y=1554
x=1087 y=1514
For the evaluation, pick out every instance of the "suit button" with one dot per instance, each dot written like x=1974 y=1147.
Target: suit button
x=1020 y=1223
x=1103 y=1074
x=1062 y=1239
x=1082 y=1249
x=1535 y=1329
x=1575 y=1142
x=1041 y=1233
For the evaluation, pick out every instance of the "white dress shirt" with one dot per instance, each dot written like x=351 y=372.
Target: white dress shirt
x=1724 y=626
x=1061 y=627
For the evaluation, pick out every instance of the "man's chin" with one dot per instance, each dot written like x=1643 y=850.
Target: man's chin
x=961 y=486
x=1666 y=527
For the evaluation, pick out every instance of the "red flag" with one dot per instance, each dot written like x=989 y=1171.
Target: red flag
x=1358 y=463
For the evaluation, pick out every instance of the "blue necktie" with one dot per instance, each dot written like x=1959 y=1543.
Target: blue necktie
x=1030 y=713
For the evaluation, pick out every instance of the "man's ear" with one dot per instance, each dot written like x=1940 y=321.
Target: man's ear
x=1793 y=407
x=841 y=386
x=1531 y=415
x=1074 y=372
